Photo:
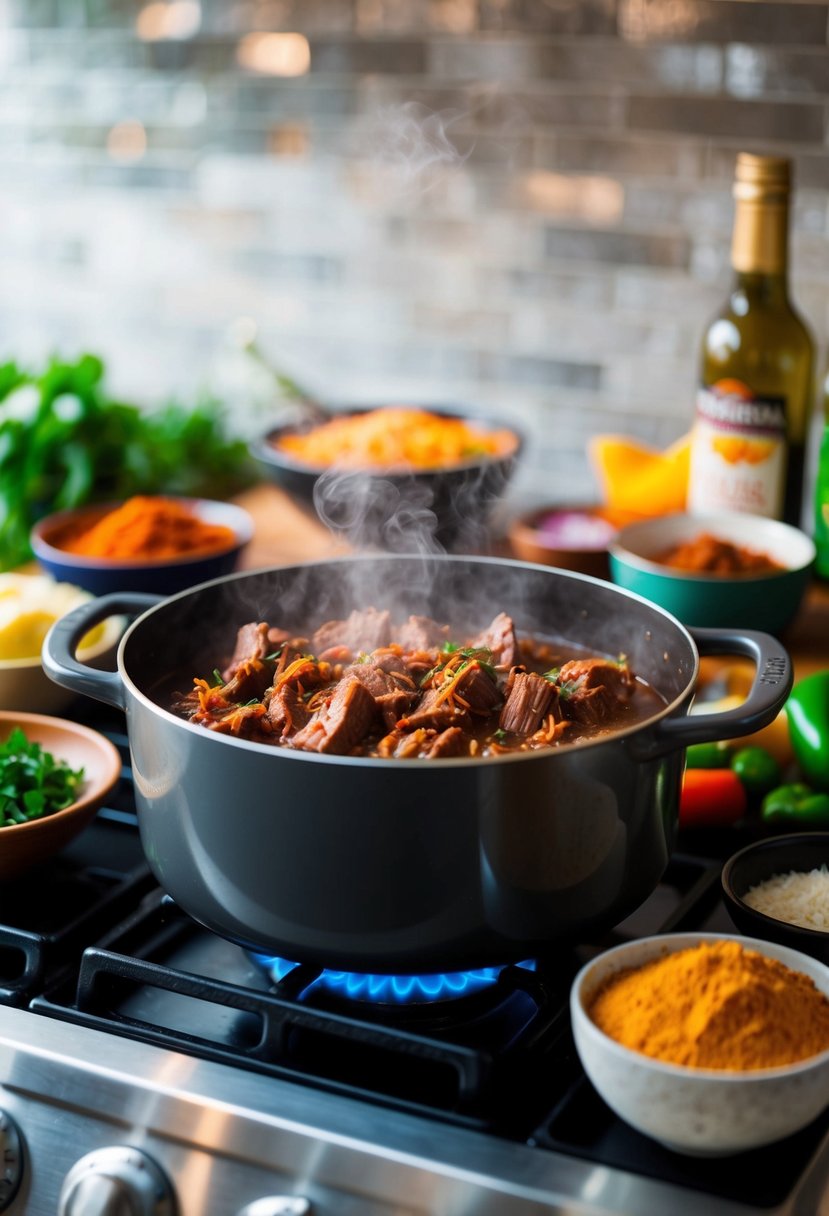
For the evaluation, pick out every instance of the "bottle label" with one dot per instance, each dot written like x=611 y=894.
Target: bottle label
x=738 y=451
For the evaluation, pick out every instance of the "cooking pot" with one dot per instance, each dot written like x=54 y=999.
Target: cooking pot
x=387 y=865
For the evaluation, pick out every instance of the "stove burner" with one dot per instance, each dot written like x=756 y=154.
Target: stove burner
x=389 y=989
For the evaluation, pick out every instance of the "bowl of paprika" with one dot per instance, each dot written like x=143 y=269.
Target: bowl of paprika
x=148 y=543
x=708 y=1043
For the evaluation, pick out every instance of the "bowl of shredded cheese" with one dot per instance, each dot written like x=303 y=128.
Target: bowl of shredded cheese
x=29 y=606
x=778 y=890
x=397 y=478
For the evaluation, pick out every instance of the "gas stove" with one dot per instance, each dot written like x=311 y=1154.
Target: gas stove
x=148 y=1066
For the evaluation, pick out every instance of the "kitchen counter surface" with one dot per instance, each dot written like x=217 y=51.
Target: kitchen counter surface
x=285 y=534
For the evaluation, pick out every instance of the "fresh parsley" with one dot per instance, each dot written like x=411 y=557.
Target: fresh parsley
x=33 y=783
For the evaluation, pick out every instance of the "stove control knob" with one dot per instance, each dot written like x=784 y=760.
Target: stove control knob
x=278 y=1205
x=11 y=1159
x=117 y=1181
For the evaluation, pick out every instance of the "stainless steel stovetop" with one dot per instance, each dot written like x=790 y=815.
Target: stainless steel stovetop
x=147 y=1066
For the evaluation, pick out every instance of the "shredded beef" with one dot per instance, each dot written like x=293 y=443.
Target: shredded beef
x=421 y=633
x=499 y=637
x=391 y=698
x=478 y=689
x=431 y=712
x=342 y=723
x=595 y=689
x=530 y=698
x=287 y=712
x=450 y=742
x=251 y=643
x=362 y=632
x=249 y=680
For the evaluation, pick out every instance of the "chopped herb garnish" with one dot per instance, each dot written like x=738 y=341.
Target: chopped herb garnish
x=217 y=676
x=32 y=782
x=271 y=658
x=551 y=675
x=499 y=735
x=449 y=648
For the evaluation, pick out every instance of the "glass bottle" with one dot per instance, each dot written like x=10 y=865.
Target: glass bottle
x=821 y=533
x=754 y=397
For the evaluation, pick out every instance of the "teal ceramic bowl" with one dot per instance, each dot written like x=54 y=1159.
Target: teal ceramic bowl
x=766 y=601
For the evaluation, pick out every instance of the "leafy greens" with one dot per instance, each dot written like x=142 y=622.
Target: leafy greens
x=75 y=444
x=32 y=782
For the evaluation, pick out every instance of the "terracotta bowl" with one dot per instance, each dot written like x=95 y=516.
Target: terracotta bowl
x=573 y=536
x=23 y=845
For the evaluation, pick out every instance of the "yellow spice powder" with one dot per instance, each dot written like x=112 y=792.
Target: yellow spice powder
x=715 y=1005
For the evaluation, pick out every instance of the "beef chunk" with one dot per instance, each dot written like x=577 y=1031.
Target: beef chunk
x=450 y=742
x=391 y=662
x=421 y=633
x=249 y=680
x=595 y=688
x=478 y=690
x=342 y=723
x=499 y=637
x=391 y=699
x=287 y=711
x=251 y=643
x=591 y=673
x=430 y=744
x=430 y=712
x=530 y=698
x=361 y=632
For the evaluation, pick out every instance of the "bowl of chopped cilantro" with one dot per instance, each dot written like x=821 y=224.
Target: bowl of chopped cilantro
x=54 y=775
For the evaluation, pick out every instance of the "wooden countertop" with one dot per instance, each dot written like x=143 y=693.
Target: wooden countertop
x=284 y=534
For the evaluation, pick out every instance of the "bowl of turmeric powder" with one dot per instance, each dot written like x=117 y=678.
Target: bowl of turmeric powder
x=710 y=1043
x=147 y=543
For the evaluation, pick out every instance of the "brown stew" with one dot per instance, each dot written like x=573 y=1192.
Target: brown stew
x=365 y=687
x=707 y=554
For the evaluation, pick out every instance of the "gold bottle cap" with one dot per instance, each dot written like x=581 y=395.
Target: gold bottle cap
x=762 y=178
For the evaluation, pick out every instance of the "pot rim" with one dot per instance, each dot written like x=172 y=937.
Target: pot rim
x=394 y=763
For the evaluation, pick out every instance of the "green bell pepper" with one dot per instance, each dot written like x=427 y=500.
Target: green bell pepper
x=807 y=710
x=757 y=769
x=708 y=755
x=796 y=804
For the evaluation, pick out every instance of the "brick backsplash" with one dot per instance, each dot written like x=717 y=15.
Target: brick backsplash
x=519 y=205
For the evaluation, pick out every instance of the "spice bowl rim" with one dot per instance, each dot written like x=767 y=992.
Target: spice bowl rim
x=624 y=546
x=674 y=942
x=775 y=924
x=230 y=514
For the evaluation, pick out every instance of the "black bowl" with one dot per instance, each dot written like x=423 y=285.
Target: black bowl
x=759 y=861
x=397 y=511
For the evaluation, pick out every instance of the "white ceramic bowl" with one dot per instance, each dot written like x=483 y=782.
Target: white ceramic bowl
x=705 y=1112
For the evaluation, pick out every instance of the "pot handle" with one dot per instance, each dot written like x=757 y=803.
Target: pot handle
x=772 y=684
x=61 y=642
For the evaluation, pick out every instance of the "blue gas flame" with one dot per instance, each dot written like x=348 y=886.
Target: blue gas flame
x=390 y=989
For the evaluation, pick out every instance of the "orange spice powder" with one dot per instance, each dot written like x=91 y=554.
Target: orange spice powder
x=149 y=527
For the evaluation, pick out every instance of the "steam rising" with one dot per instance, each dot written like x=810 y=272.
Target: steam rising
x=409 y=145
x=423 y=513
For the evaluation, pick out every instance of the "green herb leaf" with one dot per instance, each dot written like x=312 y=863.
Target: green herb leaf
x=32 y=782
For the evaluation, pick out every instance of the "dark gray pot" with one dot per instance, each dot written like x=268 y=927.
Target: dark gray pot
x=395 y=865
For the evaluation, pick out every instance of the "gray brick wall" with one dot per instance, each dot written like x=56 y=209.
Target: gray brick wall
x=519 y=204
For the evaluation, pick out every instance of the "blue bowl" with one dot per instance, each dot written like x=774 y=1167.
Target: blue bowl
x=102 y=575
x=766 y=601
